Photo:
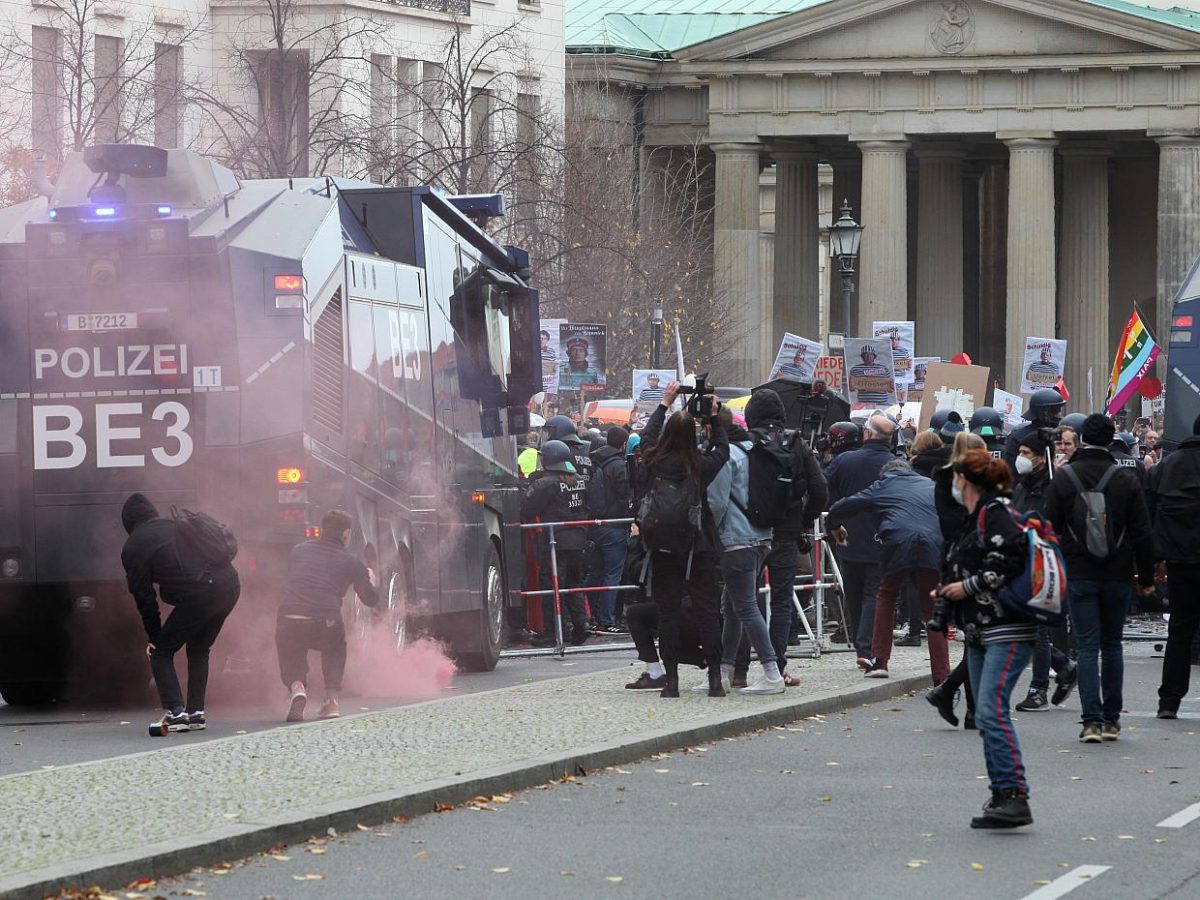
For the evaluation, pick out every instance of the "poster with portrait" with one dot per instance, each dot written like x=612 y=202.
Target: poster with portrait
x=951 y=386
x=902 y=336
x=550 y=361
x=1010 y=407
x=648 y=388
x=796 y=359
x=1043 y=366
x=582 y=350
x=870 y=377
x=916 y=388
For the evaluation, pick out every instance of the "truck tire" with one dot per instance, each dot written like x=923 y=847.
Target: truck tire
x=30 y=693
x=491 y=617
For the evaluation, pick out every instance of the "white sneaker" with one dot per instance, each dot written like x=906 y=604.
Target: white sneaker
x=764 y=685
x=703 y=688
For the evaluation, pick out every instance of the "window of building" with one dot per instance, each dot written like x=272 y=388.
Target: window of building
x=481 y=139
x=166 y=95
x=281 y=80
x=47 y=105
x=107 y=115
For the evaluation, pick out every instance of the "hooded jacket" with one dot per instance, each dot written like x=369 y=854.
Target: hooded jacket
x=847 y=475
x=765 y=412
x=1173 y=498
x=729 y=495
x=1130 y=520
x=608 y=491
x=152 y=557
x=901 y=509
x=930 y=461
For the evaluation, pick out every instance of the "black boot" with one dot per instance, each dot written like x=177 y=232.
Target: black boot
x=671 y=688
x=969 y=721
x=1008 y=808
x=715 y=688
x=941 y=698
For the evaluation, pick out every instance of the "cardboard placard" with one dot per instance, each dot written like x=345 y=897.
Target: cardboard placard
x=947 y=386
x=831 y=370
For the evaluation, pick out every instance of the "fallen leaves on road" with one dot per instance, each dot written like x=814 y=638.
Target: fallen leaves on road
x=978 y=867
x=567 y=874
x=309 y=876
x=503 y=870
x=442 y=807
x=316 y=851
x=826 y=799
x=421 y=854
x=615 y=879
x=661 y=771
x=916 y=863
x=1126 y=837
x=701 y=784
x=279 y=857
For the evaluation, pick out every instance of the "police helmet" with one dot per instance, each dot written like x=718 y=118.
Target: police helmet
x=560 y=428
x=1044 y=400
x=557 y=456
x=941 y=416
x=986 y=422
x=1074 y=421
x=843 y=435
x=1128 y=440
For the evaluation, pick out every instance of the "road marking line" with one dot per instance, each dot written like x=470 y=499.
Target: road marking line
x=1181 y=818
x=1064 y=884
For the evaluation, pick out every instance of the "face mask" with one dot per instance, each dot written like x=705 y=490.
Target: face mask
x=957 y=493
x=1024 y=465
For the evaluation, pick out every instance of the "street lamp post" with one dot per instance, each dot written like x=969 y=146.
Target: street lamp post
x=844 y=237
x=656 y=336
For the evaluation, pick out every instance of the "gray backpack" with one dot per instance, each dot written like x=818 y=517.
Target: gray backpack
x=1091 y=521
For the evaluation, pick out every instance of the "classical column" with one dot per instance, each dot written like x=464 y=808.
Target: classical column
x=939 y=306
x=1031 y=260
x=1083 y=273
x=993 y=268
x=797 y=237
x=1178 y=219
x=883 y=257
x=847 y=188
x=736 y=274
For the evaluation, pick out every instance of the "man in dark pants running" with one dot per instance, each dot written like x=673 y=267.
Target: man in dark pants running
x=201 y=599
x=310 y=617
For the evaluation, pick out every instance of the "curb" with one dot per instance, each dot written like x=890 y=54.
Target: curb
x=170 y=858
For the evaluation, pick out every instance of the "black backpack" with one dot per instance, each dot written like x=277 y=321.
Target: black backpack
x=1091 y=521
x=211 y=543
x=775 y=485
x=669 y=514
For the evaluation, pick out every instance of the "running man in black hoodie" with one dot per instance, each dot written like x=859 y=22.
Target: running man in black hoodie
x=201 y=599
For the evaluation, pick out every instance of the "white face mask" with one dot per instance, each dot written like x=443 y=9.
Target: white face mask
x=957 y=493
x=1024 y=465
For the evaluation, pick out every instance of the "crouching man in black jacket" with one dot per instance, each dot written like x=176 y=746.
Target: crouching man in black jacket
x=310 y=617
x=201 y=600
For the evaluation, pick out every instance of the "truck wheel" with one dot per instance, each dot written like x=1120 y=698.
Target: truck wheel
x=491 y=618
x=393 y=609
x=34 y=693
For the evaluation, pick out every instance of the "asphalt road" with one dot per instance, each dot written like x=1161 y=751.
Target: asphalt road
x=873 y=802
x=33 y=738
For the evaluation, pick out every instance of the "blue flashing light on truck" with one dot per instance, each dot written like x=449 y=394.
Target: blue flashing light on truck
x=264 y=350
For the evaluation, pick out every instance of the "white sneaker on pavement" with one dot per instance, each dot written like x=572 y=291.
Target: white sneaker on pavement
x=703 y=688
x=764 y=685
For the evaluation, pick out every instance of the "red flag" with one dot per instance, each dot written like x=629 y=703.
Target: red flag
x=1061 y=387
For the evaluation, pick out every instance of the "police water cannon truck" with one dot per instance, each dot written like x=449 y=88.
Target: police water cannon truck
x=263 y=350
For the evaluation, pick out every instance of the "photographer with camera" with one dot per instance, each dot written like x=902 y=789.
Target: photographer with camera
x=677 y=526
x=986 y=557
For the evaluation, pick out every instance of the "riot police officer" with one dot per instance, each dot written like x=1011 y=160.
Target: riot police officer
x=1045 y=411
x=989 y=425
x=1123 y=450
x=560 y=428
x=842 y=436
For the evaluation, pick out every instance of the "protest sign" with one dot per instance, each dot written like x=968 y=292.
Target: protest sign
x=796 y=359
x=870 y=376
x=1044 y=361
x=902 y=336
x=831 y=370
x=947 y=386
x=1010 y=407
x=550 y=360
x=916 y=388
x=648 y=388
x=582 y=350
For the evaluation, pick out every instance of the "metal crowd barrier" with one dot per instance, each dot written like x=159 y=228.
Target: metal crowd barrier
x=826 y=576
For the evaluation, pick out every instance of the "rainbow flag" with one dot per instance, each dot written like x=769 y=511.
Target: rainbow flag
x=1135 y=357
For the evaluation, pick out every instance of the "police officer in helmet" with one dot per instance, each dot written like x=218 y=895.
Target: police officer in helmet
x=1045 y=411
x=560 y=428
x=989 y=425
x=842 y=436
x=1124 y=451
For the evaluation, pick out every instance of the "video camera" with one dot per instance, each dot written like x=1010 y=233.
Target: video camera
x=701 y=398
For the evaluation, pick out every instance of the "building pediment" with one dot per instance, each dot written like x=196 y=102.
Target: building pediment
x=923 y=29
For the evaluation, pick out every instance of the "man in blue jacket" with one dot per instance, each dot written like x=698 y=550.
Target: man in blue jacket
x=860 y=553
x=900 y=504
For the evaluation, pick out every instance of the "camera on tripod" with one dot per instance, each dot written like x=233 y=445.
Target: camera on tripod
x=701 y=398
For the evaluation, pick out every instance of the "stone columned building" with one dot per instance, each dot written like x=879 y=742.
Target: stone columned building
x=1021 y=167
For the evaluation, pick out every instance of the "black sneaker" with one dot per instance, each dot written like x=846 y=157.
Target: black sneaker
x=646 y=683
x=196 y=720
x=969 y=721
x=1064 y=684
x=877 y=670
x=1008 y=808
x=1034 y=701
x=170 y=722
x=1168 y=712
x=578 y=637
x=910 y=641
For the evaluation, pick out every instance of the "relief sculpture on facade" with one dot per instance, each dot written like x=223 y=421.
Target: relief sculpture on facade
x=953 y=28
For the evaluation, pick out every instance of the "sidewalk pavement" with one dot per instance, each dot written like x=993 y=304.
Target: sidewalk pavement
x=174 y=806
